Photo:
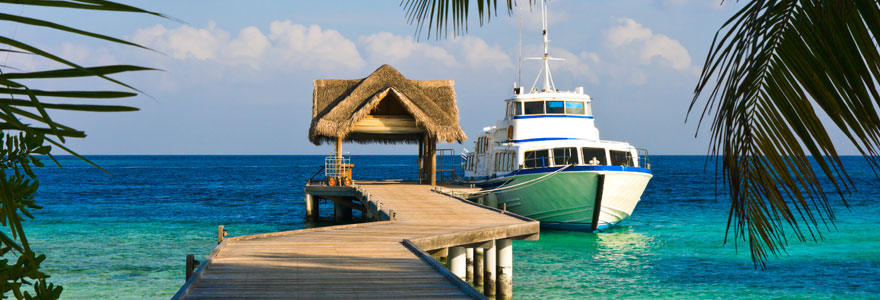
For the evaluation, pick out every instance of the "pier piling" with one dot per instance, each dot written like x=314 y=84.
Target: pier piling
x=478 y=267
x=221 y=233
x=342 y=212
x=469 y=269
x=505 y=269
x=489 y=271
x=311 y=208
x=457 y=261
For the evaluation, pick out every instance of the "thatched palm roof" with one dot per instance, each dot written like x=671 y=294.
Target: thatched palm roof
x=338 y=104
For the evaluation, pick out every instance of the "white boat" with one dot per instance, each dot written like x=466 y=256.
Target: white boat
x=545 y=160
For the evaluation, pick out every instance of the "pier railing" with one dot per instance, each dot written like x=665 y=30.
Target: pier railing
x=446 y=165
x=337 y=169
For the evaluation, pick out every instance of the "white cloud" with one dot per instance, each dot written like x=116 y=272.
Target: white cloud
x=385 y=47
x=477 y=53
x=313 y=48
x=582 y=65
x=465 y=52
x=648 y=47
x=250 y=44
x=287 y=45
x=183 y=42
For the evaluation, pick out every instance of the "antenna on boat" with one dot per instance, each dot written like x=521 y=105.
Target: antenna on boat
x=548 y=78
x=519 y=58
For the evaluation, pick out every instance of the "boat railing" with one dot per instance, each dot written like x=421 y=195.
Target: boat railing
x=644 y=159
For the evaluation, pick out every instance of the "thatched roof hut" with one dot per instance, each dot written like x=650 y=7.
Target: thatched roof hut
x=384 y=107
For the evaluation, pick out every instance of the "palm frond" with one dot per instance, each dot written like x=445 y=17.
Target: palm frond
x=770 y=67
x=23 y=110
x=437 y=14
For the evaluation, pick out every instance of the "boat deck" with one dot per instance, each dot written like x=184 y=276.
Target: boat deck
x=375 y=260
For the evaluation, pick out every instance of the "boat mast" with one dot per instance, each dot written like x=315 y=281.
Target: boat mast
x=548 y=78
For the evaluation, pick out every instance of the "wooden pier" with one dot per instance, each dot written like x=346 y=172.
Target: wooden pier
x=390 y=258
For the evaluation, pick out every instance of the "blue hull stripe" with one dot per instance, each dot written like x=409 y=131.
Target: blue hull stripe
x=570 y=169
x=552 y=116
x=545 y=139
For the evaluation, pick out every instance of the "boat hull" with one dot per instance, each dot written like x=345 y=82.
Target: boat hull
x=566 y=198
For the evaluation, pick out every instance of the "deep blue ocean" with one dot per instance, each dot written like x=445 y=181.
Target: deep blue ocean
x=125 y=235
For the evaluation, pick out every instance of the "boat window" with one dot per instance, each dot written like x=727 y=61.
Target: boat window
x=534 y=107
x=537 y=159
x=482 y=145
x=574 y=108
x=518 y=105
x=471 y=160
x=565 y=156
x=621 y=158
x=504 y=161
x=594 y=156
x=555 y=107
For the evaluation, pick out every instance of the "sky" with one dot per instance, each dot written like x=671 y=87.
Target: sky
x=237 y=75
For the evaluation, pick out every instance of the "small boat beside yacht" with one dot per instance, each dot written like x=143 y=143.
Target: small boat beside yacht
x=545 y=160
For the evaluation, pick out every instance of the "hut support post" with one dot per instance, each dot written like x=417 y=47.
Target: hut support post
x=421 y=159
x=505 y=269
x=489 y=271
x=469 y=269
x=456 y=260
x=432 y=161
x=478 y=267
x=337 y=168
x=338 y=148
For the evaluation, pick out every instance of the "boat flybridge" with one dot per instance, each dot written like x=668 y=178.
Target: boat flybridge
x=545 y=159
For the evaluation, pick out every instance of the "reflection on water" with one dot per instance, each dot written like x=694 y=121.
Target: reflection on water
x=622 y=249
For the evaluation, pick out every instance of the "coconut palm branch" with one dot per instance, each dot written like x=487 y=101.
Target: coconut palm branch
x=437 y=14
x=29 y=131
x=773 y=68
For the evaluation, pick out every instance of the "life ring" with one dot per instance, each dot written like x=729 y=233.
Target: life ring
x=347 y=181
x=331 y=181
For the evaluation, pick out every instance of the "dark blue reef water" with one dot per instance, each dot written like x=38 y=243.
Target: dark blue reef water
x=126 y=235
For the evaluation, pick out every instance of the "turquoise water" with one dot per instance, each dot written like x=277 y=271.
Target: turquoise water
x=126 y=236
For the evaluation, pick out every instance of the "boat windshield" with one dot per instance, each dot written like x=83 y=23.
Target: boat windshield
x=556 y=107
x=574 y=108
x=534 y=107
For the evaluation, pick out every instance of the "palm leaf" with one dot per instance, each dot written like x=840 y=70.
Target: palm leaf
x=69 y=94
x=70 y=107
x=76 y=72
x=437 y=14
x=770 y=67
x=86 y=5
x=42 y=23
